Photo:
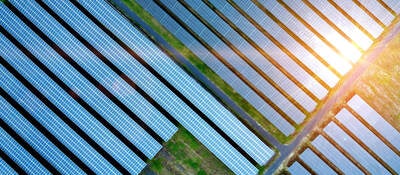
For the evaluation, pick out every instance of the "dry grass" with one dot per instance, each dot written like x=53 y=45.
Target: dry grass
x=380 y=84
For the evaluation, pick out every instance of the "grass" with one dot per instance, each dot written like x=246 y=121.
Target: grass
x=210 y=74
x=156 y=165
x=184 y=154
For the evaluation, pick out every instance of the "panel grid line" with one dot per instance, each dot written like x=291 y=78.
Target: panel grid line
x=240 y=54
x=372 y=129
x=333 y=25
x=164 y=81
x=345 y=153
x=62 y=116
x=45 y=132
x=228 y=65
x=314 y=31
x=369 y=13
x=363 y=145
x=299 y=40
x=347 y=15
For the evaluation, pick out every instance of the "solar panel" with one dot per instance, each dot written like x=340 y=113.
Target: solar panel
x=318 y=165
x=20 y=155
x=131 y=98
x=354 y=149
x=378 y=10
x=361 y=17
x=55 y=125
x=260 y=61
x=312 y=42
x=296 y=168
x=84 y=90
x=37 y=140
x=193 y=91
x=374 y=119
x=343 y=23
x=324 y=29
x=5 y=168
x=335 y=156
x=369 y=138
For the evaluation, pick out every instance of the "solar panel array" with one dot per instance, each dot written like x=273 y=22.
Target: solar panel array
x=357 y=141
x=84 y=91
x=282 y=56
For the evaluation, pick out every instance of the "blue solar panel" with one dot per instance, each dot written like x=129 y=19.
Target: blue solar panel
x=307 y=36
x=6 y=168
x=85 y=91
x=354 y=149
x=185 y=84
x=220 y=69
x=78 y=115
x=343 y=23
x=344 y=46
x=361 y=17
x=276 y=52
x=369 y=138
x=375 y=120
x=335 y=156
x=297 y=168
x=37 y=140
x=111 y=80
x=275 y=118
x=66 y=105
x=26 y=161
x=263 y=64
x=240 y=65
x=54 y=124
x=115 y=84
x=316 y=163
x=297 y=49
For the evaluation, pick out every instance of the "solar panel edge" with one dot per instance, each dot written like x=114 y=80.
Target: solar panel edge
x=207 y=96
x=93 y=49
x=171 y=87
x=77 y=98
x=51 y=138
x=245 y=96
x=27 y=163
x=8 y=166
x=64 y=117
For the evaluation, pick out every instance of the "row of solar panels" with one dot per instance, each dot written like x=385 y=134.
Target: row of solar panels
x=357 y=141
x=85 y=91
x=282 y=56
